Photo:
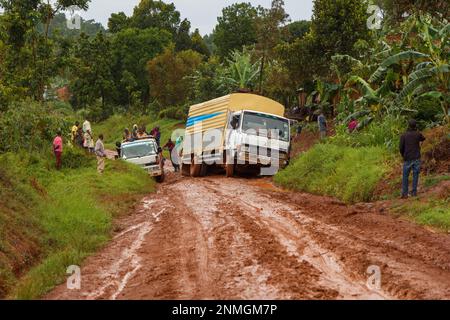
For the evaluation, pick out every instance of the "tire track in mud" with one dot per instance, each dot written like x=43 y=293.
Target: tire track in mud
x=218 y=238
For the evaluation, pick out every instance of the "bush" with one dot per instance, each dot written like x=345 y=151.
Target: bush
x=29 y=126
x=75 y=158
x=385 y=133
x=350 y=174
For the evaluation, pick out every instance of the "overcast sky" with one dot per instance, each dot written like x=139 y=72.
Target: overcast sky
x=202 y=13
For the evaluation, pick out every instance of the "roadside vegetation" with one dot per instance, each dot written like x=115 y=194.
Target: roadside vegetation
x=52 y=219
x=149 y=67
x=350 y=174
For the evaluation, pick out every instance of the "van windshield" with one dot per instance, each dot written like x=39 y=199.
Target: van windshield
x=262 y=124
x=139 y=150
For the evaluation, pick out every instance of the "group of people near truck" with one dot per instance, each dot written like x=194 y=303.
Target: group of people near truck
x=81 y=136
x=141 y=133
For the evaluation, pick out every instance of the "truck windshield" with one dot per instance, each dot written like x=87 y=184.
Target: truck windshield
x=263 y=124
x=138 y=150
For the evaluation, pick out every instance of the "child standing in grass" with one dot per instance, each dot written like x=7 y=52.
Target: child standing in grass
x=100 y=153
x=58 y=149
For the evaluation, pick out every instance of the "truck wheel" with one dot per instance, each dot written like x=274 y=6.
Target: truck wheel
x=229 y=168
x=186 y=170
x=204 y=170
x=195 y=169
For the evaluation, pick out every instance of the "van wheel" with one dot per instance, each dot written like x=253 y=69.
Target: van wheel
x=195 y=168
x=186 y=170
x=160 y=179
x=229 y=168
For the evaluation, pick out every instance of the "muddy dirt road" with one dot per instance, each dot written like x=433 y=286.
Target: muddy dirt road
x=218 y=238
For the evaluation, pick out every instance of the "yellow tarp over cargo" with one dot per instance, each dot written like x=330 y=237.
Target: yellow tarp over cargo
x=213 y=114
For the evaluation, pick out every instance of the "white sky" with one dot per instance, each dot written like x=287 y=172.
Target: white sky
x=202 y=13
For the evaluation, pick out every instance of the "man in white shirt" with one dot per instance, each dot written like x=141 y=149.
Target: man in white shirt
x=87 y=126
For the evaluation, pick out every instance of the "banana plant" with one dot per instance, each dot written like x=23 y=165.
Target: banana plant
x=240 y=74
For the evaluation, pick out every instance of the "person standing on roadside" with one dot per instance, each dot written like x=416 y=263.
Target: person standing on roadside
x=410 y=151
x=87 y=126
x=58 y=149
x=74 y=132
x=322 y=121
x=100 y=153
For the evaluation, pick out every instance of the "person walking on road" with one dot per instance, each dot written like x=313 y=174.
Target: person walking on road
x=100 y=153
x=410 y=151
x=322 y=121
x=170 y=146
x=58 y=149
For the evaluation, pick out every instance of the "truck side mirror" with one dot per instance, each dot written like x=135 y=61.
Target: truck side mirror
x=234 y=122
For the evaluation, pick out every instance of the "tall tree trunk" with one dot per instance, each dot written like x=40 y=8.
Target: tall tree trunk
x=261 y=72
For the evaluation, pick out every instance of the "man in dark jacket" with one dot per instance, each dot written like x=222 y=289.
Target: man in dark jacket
x=410 y=151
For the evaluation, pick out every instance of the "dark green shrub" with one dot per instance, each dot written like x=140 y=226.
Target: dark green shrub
x=30 y=126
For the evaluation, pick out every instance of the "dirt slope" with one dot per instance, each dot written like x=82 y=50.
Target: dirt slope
x=218 y=238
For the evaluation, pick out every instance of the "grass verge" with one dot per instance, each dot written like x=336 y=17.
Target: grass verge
x=71 y=216
x=350 y=174
x=430 y=212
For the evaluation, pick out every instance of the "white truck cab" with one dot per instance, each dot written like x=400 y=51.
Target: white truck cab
x=146 y=154
x=258 y=137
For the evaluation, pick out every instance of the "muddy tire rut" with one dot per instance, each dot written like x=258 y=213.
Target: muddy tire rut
x=218 y=238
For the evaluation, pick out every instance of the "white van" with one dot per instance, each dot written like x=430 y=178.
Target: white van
x=146 y=154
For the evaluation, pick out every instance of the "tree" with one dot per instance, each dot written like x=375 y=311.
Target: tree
x=163 y=16
x=198 y=44
x=92 y=70
x=236 y=28
x=336 y=26
x=270 y=23
x=132 y=49
x=169 y=76
x=182 y=37
x=155 y=14
x=397 y=10
x=206 y=81
x=297 y=30
x=118 y=22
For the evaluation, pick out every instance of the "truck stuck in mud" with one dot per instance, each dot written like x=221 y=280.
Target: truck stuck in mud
x=239 y=132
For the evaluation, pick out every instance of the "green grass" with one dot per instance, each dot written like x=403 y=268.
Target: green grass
x=432 y=212
x=72 y=218
x=350 y=174
x=432 y=181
